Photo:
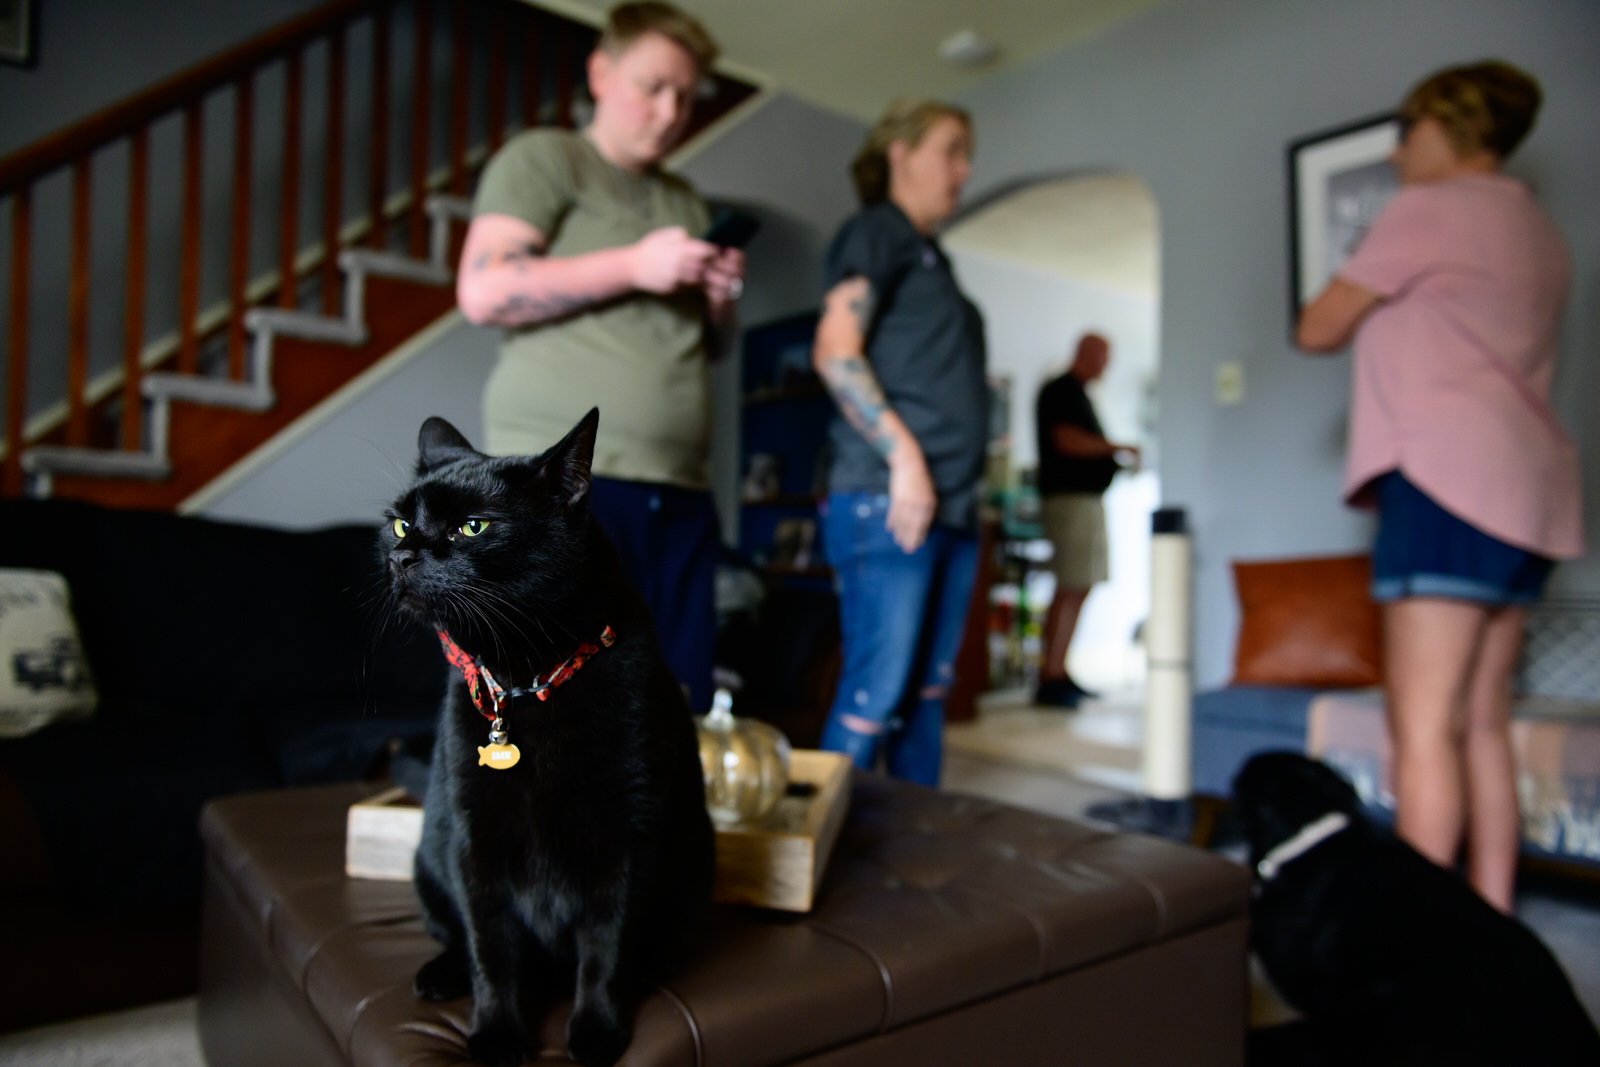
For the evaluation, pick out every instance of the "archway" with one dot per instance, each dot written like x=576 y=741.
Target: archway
x=1048 y=259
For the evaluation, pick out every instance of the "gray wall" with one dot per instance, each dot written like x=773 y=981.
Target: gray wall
x=789 y=165
x=786 y=163
x=354 y=463
x=1200 y=99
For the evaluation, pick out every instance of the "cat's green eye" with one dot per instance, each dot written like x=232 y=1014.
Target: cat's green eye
x=474 y=527
x=401 y=527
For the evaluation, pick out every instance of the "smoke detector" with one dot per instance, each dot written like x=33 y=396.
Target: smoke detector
x=968 y=48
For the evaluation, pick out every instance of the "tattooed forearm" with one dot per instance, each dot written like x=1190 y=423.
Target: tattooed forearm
x=860 y=398
x=515 y=258
x=519 y=308
x=861 y=306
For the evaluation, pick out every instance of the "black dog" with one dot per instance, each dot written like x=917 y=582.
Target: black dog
x=1392 y=960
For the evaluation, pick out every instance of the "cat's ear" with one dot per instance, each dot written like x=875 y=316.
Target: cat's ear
x=439 y=443
x=568 y=463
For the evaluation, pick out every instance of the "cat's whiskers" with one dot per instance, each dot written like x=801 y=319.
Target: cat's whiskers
x=506 y=608
x=378 y=610
x=484 y=608
x=478 y=615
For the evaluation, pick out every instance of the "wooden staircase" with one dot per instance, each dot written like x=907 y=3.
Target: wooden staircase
x=197 y=439
x=178 y=410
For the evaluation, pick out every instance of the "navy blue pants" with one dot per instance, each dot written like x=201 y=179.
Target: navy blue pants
x=669 y=542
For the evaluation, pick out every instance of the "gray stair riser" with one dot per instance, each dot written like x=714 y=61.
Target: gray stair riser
x=305 y=326
x=389 y=265
x=94 y=463
x=209 y=391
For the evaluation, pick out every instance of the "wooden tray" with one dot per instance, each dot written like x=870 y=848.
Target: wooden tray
x=381 y=835
x=776 y=862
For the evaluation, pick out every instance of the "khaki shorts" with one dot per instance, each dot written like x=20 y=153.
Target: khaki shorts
x=1075 y=523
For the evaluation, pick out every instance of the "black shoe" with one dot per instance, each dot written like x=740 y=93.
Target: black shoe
x=1056 y=693
x=1080 y=692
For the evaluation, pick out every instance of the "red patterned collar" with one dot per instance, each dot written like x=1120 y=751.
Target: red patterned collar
x=479 y=680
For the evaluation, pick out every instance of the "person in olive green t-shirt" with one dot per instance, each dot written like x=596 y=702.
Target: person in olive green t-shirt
x=586 y=253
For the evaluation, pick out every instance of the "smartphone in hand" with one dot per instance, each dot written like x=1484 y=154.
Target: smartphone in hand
x=731 y=229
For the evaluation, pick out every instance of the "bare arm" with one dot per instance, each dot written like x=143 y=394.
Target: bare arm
x=506 y=280
x=839 y=357
x=1079 y=443
x=1330 y=320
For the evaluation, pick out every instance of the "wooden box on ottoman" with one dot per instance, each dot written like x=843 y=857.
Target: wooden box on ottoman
x=948 y=930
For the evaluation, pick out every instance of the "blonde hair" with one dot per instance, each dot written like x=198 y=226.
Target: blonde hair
x=626 y=23
x=905 y=120
x=1487 y=106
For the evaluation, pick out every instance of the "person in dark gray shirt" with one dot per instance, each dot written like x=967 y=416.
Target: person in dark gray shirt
x=901 y=350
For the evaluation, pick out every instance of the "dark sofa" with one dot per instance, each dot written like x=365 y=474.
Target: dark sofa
x=227 y=658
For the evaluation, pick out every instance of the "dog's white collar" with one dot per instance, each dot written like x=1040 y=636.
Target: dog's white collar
x=1310 y=836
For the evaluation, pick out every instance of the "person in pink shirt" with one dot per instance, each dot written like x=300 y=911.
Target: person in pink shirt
x=1453 y=299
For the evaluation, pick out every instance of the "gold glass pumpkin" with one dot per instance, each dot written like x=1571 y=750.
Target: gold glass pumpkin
x=745 y=763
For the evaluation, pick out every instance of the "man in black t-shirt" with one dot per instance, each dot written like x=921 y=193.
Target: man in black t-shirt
x=1076 y=465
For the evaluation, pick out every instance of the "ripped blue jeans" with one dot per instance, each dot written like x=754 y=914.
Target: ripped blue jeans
x=901 y=617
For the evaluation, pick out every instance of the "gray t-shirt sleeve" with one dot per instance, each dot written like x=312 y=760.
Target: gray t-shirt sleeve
x=866 y=248
x=531 y=179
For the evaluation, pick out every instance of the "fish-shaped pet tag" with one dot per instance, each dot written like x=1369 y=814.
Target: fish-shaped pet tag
x=499 y=754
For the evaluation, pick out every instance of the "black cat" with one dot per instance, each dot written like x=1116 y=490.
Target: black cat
x=570 y=854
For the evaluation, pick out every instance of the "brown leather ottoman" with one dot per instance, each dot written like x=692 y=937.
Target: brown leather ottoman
x=948 y=930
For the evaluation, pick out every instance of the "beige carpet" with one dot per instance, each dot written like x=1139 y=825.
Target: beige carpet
x=160 y=1035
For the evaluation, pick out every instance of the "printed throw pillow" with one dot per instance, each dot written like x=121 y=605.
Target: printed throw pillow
x=1307 y=622
x=44 y=677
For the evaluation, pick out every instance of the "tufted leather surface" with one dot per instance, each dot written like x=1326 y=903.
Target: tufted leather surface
x=941 y=919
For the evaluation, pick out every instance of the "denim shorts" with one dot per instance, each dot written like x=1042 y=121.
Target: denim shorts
x=1424 y=551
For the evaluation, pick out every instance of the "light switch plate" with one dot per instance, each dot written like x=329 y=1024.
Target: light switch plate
x=1227 y=383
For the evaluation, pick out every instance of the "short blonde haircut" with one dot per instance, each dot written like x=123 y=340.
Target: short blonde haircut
x=1487 y=106
x=905 y=120
x=626 y=23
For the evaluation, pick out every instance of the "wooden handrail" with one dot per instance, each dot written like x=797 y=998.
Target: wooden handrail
x=103 y=127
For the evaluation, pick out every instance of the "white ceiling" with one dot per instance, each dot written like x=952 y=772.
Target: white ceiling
x=854 y=56
x=1095 y=228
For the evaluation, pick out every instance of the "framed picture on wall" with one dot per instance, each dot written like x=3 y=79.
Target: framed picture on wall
x=1338 y=182
x=16 y=31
